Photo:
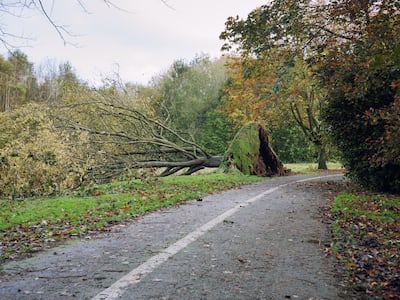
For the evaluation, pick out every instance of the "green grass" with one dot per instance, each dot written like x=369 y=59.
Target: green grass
x=114 y=201
x=375 y=207
x=29 y=221
x=306 y=168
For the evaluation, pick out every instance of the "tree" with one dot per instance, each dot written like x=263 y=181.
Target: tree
x=17 y=80
x=187 y=96
x=5 y=79
x=123 y=137
x=37 y=158
x=273 y=87
x=216 y=132
x=290 y=145
x=297 y=88
x=364 y=97
x=352 y=46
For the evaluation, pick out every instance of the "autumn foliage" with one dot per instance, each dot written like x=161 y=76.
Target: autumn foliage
x=36 y=158
x=352 y=49
x=363 y=107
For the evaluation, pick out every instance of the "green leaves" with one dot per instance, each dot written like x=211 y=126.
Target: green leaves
x=187 y=92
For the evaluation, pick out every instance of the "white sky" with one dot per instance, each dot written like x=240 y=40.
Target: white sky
x=139 y=43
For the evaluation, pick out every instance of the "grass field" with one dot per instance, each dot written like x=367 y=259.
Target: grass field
x=306 y=168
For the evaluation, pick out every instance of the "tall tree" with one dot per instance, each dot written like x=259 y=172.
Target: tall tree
x=186 y=95
x=278 y=91
x=363 y=109
x=5 y=82
x=17 y=80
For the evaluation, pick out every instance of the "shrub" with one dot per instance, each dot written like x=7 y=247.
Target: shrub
x=363 y=116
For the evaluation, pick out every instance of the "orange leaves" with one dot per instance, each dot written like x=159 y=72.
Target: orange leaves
x=393 y=84
x=249 y=95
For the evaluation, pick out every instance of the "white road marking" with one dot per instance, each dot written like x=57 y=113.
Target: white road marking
x=117 y=289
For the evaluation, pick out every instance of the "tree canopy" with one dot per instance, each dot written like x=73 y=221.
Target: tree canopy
x=352 y=51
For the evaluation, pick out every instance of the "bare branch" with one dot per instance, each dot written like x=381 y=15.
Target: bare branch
x=167 y=4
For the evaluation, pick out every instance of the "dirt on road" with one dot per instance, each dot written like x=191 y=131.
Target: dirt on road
x=261 y=241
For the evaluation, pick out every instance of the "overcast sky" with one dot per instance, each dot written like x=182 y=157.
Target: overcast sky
x=140 y=42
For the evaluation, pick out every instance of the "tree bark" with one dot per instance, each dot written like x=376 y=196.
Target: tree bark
x=207 y=162
x=322 y=158
x=250 y=153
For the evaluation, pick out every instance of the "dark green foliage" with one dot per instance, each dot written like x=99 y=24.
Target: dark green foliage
x=358 y=120
x=357 y=136
x=291 y=146
x=216 y=132
x=363 y=100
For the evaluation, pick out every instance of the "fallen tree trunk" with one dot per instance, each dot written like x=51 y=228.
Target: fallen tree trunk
x=209 y=162
x=173 y=167
x=121 y=139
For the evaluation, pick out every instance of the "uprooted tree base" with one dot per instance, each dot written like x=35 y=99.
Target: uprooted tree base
x=250 y=153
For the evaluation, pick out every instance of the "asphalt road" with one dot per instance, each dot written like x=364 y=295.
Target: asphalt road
x=261 y=241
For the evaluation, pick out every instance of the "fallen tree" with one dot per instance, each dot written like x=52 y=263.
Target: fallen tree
x=124 y=138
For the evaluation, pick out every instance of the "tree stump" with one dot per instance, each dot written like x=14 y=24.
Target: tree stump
x=250 y=153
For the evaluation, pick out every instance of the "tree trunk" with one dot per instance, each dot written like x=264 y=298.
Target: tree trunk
x=322 y=158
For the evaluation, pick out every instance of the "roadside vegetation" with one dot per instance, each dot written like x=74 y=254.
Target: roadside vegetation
x=333 y=66
x=366 y=241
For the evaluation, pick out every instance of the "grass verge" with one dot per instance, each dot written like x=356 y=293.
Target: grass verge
x=307 y=168
x=31 y=225
x=366 y=232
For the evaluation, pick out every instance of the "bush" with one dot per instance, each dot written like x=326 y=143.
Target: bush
x=363 y=118
x=363 y=77
x=216 y=133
